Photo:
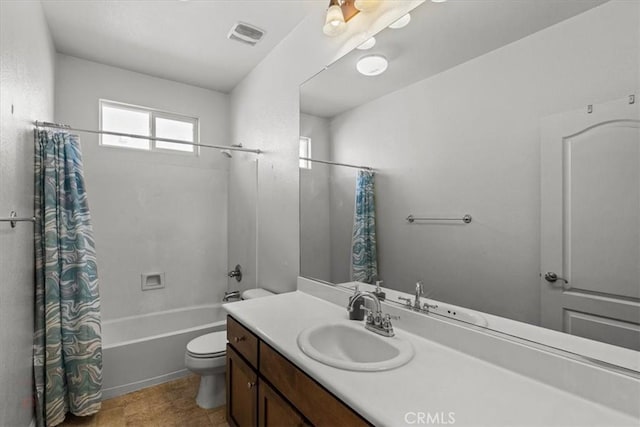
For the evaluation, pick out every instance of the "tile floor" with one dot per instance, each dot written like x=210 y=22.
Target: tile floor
x=165 y=405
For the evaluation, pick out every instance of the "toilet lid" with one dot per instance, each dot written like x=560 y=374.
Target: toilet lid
x=209 y=344
x=256 y=293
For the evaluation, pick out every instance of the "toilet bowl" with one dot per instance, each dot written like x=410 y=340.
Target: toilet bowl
x=206 y=356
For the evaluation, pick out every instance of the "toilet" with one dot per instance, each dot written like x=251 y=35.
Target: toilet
x=206 y=356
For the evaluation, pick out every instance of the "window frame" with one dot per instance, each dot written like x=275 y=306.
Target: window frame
x=305 y=164
x=153 y=114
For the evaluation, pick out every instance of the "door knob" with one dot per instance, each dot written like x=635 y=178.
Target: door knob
x=552 y=277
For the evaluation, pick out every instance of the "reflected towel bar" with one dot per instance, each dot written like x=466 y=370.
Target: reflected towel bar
x=13 y=218
x=466 y=219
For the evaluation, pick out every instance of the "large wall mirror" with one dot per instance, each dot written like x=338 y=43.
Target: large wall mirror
x=521 y=115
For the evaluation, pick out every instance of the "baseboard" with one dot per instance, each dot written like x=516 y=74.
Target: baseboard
x=139 y=385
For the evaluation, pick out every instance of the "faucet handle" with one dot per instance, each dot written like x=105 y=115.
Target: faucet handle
x=427 y=306
x=370 y=318
x=407 y=301
x=387 y=326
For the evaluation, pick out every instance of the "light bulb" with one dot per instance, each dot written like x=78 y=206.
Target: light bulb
x=366 y=5
x=334 y=24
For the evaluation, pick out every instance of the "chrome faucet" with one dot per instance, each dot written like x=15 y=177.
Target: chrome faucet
x=229 y=295
x=375 y=321
x=365 y=294
x=416 y=305
x=419 y=293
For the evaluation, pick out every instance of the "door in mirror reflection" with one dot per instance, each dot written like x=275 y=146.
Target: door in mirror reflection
x=591 y=223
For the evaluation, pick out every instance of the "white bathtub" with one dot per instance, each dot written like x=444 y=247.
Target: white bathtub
x=141 y=351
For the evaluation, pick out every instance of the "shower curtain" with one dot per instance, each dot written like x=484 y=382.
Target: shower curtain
x=67 y=351
x=364 y=258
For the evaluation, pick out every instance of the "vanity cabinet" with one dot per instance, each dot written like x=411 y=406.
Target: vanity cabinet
x=242 y=390
x=265 y=389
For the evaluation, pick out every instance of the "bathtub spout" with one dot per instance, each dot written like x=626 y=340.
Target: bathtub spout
x=232 y=295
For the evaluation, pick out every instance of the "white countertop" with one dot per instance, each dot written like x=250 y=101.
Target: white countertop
x=437 y=381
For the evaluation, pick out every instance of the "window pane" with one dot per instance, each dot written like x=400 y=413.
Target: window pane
x=116 y=119
x=174 y=129
x=305 y=151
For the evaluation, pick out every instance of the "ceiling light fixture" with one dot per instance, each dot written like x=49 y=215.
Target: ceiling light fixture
x=402 y=22
x=341 y=11
x=334 y=24
x=372 y=65
x=366 y=5
x=367 y=44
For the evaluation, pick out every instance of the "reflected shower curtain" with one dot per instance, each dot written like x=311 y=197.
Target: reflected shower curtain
x=67 y=352
x=364 y=257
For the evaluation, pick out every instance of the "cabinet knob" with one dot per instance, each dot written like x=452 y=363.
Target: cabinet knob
x=250 y=385
x=238 y=339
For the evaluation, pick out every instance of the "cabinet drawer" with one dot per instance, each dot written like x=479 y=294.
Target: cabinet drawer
x=243 y=341
x=310 y=398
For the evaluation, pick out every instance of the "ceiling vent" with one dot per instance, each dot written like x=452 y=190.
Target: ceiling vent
x=246 y=33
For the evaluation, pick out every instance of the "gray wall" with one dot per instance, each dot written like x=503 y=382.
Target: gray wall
x=152 y=212
x=26 y=82
x=315 y=250
x=342 y=210
x=265 y=114
x=467 y=141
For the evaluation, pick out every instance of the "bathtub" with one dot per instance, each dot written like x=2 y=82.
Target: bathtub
x=141 y=351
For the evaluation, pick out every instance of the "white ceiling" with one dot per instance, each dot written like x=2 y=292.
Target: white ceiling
x=439 y=36
x=184 y=41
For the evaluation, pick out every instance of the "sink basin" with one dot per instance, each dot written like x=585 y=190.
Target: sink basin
x=351 y=347
x=459 y=313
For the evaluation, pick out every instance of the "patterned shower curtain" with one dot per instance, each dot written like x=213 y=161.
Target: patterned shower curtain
x=364 y=257
x=67 y=353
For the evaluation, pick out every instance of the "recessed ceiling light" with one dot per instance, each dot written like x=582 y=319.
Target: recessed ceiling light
x=368 y=44
x=402 y=22
x=372 y=65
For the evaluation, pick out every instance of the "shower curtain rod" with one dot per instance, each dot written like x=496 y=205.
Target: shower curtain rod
x=327 y=162
x=39 y=124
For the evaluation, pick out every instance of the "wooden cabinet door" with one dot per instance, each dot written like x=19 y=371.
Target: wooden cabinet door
x=242 y=391
x=319 y=406
x=274 y=411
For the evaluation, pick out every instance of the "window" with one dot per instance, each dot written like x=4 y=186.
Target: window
x=129 y=119
x=305 y=151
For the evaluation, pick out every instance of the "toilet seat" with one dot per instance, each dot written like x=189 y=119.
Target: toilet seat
x=208 y=345
x=256 y=293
